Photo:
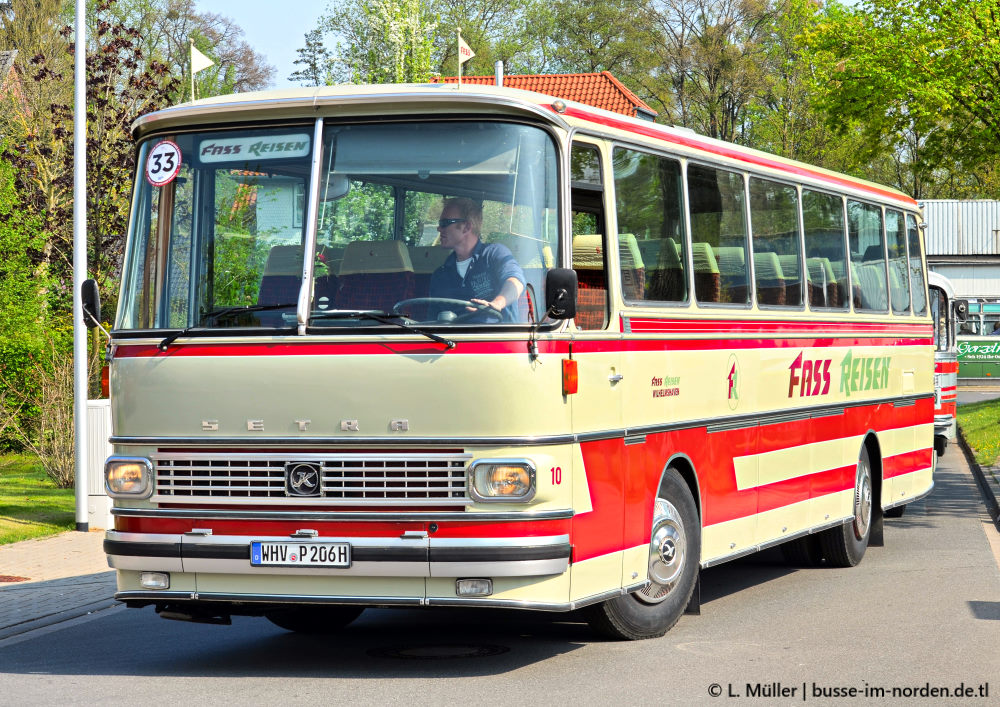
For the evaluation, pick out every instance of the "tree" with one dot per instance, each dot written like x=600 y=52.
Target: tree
x=315 y=60
x=922 y=75
x=381 y=41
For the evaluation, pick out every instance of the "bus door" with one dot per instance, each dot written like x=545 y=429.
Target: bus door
x=597 y=404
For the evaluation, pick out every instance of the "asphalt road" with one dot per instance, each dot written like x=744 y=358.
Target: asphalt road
x=921 y=613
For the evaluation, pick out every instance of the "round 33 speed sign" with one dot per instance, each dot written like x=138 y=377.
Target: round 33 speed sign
x=163 y=163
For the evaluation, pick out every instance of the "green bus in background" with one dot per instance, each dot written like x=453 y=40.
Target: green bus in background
x=979 y=342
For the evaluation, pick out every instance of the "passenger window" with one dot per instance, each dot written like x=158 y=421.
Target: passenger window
x=774 y=222
x=826 y=258
x=648 y=192
x=899 y=285
x=864 y=235
x=718 y=235
x=589 y=246
x=916 y=266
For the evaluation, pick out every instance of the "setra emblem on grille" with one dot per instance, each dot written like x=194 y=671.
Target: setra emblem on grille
x=302 y=479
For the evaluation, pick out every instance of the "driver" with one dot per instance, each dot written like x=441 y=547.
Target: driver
x=485 y=274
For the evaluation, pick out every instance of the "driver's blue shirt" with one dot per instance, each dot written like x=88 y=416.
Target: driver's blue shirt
x=492 y=265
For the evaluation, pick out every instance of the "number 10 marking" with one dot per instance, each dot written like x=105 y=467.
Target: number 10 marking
x=556 y=475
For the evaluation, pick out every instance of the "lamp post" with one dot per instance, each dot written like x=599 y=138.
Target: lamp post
x=80 y=265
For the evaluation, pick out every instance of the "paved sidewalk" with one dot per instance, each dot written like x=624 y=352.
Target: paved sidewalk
x=53 y=579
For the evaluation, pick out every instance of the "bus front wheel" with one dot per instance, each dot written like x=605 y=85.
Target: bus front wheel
x=674 y=556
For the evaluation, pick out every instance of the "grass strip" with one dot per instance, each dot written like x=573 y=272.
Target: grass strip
x=30 y=504
x=980 y=423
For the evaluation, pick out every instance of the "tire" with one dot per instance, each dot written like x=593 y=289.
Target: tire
x=674 y=558
x=845 y=545
x=895 y=512
x=803 y=552
x=314 y=619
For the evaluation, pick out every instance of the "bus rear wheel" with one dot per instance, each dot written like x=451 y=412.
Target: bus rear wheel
x=845 y=545
x=314 y=619
x=674 y=556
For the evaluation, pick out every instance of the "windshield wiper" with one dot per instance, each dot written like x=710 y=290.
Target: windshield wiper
x=219 y=314
x=383 y=317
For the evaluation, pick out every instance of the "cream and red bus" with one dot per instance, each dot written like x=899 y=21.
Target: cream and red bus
x=714 y=351
x=946 y=310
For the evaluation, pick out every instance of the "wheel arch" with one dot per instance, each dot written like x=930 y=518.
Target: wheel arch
x=874 y=447
x=682 y=464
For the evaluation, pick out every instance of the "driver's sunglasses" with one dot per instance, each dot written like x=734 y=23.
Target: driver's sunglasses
x=445 y=222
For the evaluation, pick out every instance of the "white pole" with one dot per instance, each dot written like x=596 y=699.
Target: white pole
x=80 y=265
x=459 y=32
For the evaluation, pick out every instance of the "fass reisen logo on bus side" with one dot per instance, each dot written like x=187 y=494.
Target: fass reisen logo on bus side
x=808 y=378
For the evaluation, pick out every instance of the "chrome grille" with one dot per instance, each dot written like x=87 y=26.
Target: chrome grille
x=346 y=479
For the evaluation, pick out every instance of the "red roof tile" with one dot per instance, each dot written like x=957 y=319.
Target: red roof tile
x=601 y=90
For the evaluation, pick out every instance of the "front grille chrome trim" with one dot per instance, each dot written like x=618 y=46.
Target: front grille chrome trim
x=386 y=479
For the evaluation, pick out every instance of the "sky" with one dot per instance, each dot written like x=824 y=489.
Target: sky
x=273 y=28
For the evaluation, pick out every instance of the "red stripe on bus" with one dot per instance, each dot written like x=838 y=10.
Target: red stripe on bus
x=623 y=479
x=734 y=153
x=583 y=345
x=946 y=366
x=346 y=529
x=688 y=326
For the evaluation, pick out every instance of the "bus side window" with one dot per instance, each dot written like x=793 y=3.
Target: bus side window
x=864 y=234
x=718 y=235
x=777 y=257
x=652 y=245
x=826 y=259
x=899 y=285
x=917 y=286
x=589 y=246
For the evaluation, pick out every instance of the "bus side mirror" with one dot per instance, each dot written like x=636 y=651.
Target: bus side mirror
x=961 y=307
x=560 y=293
x=91 y=303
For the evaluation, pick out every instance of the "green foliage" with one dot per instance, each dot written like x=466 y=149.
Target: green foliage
x=381 y=41
x=980 y=423
x=919 y=77
x=30 y=504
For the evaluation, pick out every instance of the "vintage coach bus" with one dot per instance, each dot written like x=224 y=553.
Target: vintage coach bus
x=708 y=351
x=946 y=311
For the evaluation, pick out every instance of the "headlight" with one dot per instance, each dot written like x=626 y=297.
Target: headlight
x=128 y=477
x=502 y=480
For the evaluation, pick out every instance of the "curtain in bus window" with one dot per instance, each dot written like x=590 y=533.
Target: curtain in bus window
x=916 y=266
x=718 y=235
x=864 y=235
x=648 y=194
x=774 y=222
x=826 y=256
x=899 y=284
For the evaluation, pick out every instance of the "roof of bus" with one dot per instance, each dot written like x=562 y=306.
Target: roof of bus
x=306 y=102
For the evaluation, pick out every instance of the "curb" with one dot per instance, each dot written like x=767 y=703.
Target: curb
x=986 y=489
x=56 y=618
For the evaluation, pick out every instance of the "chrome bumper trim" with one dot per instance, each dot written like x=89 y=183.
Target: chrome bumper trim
x=216 y=597
x=370 y=556
x=337 y=516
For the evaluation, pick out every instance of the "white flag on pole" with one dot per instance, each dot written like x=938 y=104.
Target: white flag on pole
x=464 y=52
x=199 y=61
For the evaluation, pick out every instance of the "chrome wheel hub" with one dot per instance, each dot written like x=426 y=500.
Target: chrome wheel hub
x=862 y=499
x=667 y=550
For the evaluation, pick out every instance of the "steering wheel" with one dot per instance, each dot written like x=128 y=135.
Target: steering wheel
x=457 y=306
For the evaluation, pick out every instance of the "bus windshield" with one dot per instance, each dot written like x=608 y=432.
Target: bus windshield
x=443 y=223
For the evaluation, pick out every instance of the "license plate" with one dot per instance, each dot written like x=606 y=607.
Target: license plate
x=300 y=554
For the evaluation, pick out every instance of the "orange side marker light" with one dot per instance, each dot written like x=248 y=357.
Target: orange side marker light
x=570 y=376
